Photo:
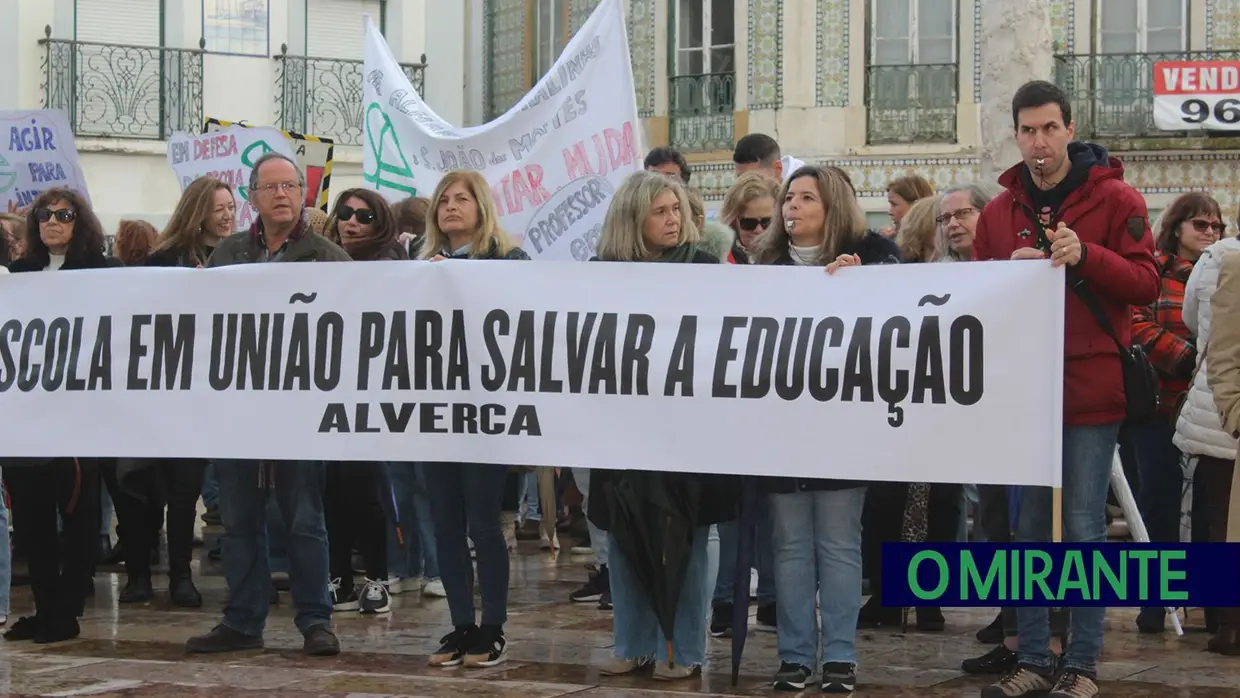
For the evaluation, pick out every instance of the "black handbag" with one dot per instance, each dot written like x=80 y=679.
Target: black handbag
x=1140 y=376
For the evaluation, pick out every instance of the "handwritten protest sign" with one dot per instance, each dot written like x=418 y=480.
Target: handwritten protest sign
x=228 y=155
x=553 y=161
x=409 y=361
x=39 y=155
x=315 y=155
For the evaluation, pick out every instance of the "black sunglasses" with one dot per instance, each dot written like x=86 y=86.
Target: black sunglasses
x=365 y=216
x=751 y=224
x=64 y=215
x=1202 y=226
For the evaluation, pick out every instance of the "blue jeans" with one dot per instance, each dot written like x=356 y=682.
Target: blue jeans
x=470 y=497
x=6 y=556
x=210 y=487
x=417 y=557
x=1088 y=452
x=764 y=558
x=1160 y=479
x=637 y=632
x=528 y=506
x=598 y=538
x=818 y=555
x=298 y=491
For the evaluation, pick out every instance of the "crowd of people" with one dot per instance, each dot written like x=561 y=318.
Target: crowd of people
x=444 y=529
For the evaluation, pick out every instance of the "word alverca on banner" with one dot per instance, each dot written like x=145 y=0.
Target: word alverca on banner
x=814 y=376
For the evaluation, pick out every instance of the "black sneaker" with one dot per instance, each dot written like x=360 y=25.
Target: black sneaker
x=137 y=589
x=594 y=587
x=998 y=661
x=604 y=603
x=487 y=647
x=320 y=641
x=375 y=599
x=767 y=618
x=792 y=677
x=1021 y=681
x=721 y=620
x=839 y=678
x=24 y=629
x=344 y=599
x=992 y=634
x=452 y=647
x=223 y=639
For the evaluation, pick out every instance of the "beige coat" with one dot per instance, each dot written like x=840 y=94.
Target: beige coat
x=1223 y=369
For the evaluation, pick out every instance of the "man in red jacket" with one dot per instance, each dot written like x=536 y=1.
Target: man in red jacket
x=1067 y=202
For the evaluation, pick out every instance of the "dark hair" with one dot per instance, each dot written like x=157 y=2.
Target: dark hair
x=87 y=241
x=663 y=155
x=756 y=147
x=411 y=215
x=1039 y=93
x=383 y=228
x=1185 y=207
x=134 y=241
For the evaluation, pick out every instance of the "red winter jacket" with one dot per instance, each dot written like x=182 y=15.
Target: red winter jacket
x=1112 y=222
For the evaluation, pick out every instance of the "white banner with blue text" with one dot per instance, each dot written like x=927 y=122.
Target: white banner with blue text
x=926 y=372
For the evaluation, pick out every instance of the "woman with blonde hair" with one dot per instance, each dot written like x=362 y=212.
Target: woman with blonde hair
x=465 y=222
x=469 y=497
x=205 y=214
x=649 y=220
x=902 y=193
x=716 y=237
x=748 y=209
x=817 y=522
x=919 y=234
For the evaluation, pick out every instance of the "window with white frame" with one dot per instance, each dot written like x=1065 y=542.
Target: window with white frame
x=913 y=32
x=550 y=34
x=1142 y=26
x=705 y=37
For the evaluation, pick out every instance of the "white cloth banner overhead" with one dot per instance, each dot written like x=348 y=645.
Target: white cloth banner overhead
x=553 y=161
x=926 y=372
x=227 y=154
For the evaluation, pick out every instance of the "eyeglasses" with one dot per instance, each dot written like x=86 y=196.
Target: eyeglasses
x=751 y=224
x=365 y=216
x=64 y=215
x=959 y=214
x=286 y=187
x=1202 y=226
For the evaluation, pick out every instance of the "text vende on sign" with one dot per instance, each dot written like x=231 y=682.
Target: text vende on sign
x=1197 y=95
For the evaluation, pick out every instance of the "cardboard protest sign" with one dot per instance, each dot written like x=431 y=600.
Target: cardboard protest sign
x=38 y=154
x=314 y=153
x=553 y=161
x=229 y=156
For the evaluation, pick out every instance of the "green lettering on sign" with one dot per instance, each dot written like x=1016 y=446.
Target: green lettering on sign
x=248 y=158
x=8 y=178
x=378 y=148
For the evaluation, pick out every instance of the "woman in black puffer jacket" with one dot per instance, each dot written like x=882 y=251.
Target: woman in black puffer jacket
x=62 y=234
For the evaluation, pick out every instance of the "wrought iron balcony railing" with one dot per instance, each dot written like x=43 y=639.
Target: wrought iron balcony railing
x=323 y=96
x=1112 y=95
x=911 y=103
x=116 y=91
x=701 y=113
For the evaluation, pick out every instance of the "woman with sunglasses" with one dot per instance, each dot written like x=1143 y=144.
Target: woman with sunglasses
x=357 y=493
x=62 y=234
x=747 y=210
x=1190 y=224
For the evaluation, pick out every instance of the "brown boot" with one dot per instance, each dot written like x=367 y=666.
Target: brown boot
x=1226 y=640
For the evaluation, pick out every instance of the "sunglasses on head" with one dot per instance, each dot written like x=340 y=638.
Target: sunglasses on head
x=364 y=215
x=1202 y=226
x=751 y=224
x=64 y=215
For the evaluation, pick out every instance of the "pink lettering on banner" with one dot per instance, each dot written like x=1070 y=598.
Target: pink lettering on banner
x=215 y=147
x=522 y=187
x=613 y=149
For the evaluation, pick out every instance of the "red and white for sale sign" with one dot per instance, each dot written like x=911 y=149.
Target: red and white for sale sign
x=1197 y=95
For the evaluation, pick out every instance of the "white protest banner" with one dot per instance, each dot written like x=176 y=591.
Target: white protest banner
x=926 y=372
x=1197 y=95
x=41 y=155
x=228 y=155
x=553 y=161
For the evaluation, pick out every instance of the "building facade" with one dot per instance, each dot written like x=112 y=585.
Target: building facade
x=883 y=87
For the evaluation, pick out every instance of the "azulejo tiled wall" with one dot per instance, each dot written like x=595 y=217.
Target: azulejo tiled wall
x=643 y=52
x=1063 y=25
x=578 y=12
x=832 y=43
x=1223 y=25
x=766 y=63
x=503 y=32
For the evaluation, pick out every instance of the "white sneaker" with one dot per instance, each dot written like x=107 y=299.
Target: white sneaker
x=3 y=620
x=343 y=599
x=581 y=550
x=374 y=599
x=395 y=585
x=434 y=588
x=546 y=542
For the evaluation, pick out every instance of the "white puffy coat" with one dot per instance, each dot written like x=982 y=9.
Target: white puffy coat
x=1198 y=429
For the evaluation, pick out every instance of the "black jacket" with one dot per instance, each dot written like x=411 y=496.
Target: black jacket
x=872 y=249
x=94 y=260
